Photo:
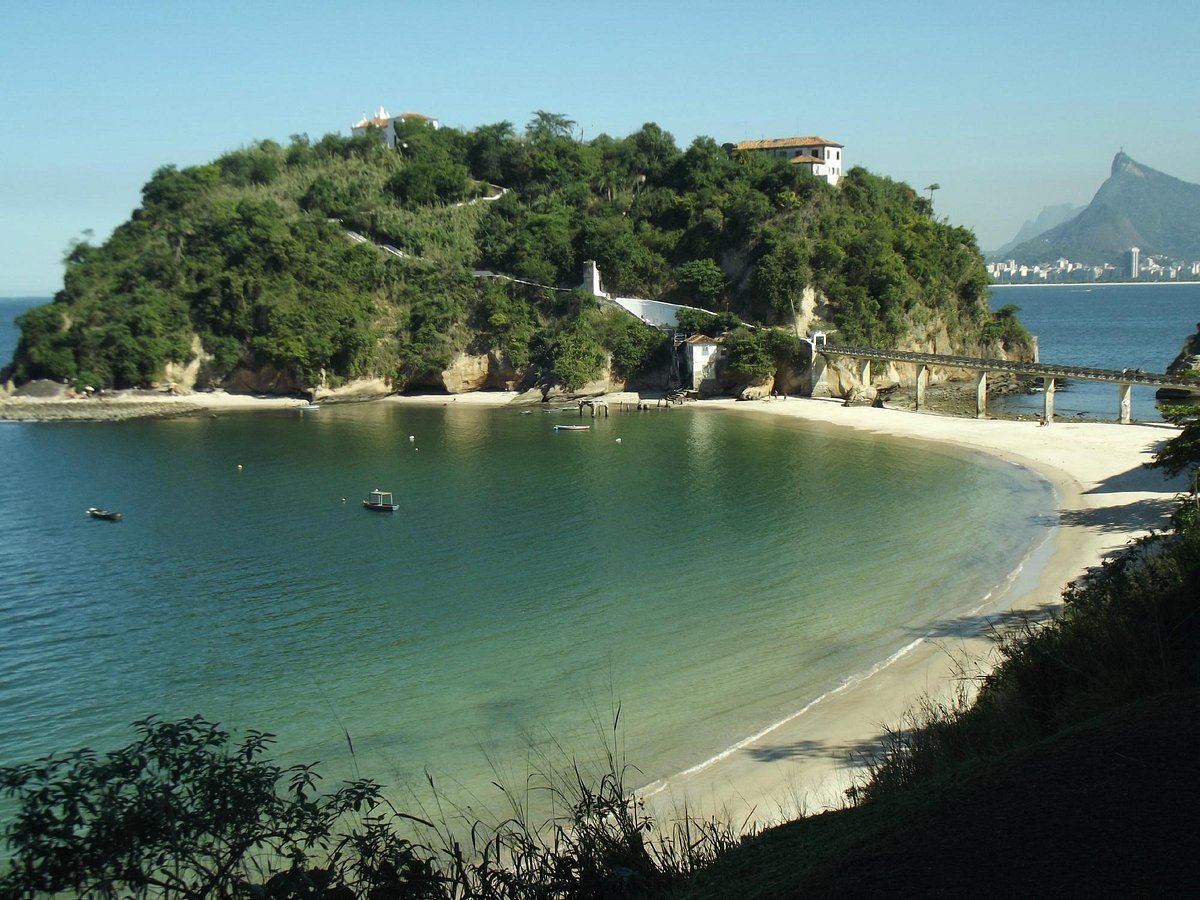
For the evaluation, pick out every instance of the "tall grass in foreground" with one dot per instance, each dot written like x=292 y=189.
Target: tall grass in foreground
x=182 y=813
x=1127 y=631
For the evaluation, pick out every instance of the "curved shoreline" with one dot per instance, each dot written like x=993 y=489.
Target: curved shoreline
x=1104 y=498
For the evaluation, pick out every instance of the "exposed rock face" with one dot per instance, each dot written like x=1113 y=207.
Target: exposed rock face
x=359 y=389
x=267 y=380
x=183 y=375
x=467 y=373
x=793 y=382
x=757 y=389
x=861 y=396
x=1188 y=360
x=840 y=376
x=480 y=371
x=1189 y=357
x=43 y=389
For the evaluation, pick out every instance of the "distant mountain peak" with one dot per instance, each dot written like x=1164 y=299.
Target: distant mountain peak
x=1136 y=206
x=1124 y=164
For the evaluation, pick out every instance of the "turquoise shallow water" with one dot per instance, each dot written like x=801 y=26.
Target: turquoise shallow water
x=710 y=574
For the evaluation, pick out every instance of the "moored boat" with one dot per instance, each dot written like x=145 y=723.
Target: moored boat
x=107 y=514
x=381 y=501
x=572 y=427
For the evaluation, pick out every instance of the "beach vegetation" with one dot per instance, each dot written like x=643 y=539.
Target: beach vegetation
x=342 y=257
x=1126 y=632
x=185 y=811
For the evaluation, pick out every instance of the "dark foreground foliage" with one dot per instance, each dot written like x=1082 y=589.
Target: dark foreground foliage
x=184 y=812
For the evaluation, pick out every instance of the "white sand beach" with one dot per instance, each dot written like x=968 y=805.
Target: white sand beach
x=1106 y=498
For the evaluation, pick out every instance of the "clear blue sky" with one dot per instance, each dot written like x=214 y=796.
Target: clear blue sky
x=1009 y=106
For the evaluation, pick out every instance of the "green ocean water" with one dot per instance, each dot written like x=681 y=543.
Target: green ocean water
x=710 y=574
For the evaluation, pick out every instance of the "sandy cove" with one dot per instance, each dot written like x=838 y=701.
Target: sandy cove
x=1106 y=498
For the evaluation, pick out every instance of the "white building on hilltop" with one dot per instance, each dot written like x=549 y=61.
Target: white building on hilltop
x=387 y=124
x=823 y=157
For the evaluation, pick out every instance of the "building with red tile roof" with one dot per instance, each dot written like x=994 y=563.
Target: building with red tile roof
x=824 y=157
x=387 y=123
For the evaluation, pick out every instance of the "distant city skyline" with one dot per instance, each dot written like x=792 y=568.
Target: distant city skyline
x=1008 y=109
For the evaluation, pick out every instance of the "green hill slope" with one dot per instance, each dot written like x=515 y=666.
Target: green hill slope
x=245 y=264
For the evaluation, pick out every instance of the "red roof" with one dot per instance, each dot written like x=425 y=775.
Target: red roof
x=785 y=143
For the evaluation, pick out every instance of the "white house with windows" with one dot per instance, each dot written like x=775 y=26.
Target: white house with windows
x=387 y=124
x=701 y=355
x=821 y=156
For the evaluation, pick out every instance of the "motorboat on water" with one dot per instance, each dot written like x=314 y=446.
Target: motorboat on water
x=381 y=501
x=107 y=514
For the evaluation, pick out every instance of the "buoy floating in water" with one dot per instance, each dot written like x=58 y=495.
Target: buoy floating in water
x=412 y=437
x=239 y=467
x=618 y=440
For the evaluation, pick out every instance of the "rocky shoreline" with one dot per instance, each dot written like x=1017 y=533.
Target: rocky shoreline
x=49 y=402
x=34 y=410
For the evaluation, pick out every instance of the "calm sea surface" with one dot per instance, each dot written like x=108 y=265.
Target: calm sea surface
x=1134 y=326
x=710 y=573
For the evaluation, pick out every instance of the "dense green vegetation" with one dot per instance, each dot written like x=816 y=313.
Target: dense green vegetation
x=248 y=258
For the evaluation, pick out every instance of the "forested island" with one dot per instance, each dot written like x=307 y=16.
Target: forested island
x=242 y=273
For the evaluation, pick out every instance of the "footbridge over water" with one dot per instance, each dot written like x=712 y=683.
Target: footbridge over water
x=1124 y=379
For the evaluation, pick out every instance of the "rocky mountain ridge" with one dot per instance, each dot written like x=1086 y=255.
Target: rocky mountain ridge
x=1137 y=206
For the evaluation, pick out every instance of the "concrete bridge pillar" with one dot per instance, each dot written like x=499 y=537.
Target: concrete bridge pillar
x=1126 y=403
x=819 y=375
x=922 y=383
x=864 y=377
x=981 y=395
x=1048 y=407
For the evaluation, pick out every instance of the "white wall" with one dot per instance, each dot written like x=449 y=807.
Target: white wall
x=653 y=312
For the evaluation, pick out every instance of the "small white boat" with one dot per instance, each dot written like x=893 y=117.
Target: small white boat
x=306 y=407
x=381 y=501
x=572 y=427
x=109 y=515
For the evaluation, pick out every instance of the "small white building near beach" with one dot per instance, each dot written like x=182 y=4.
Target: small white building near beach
x=701 y=356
